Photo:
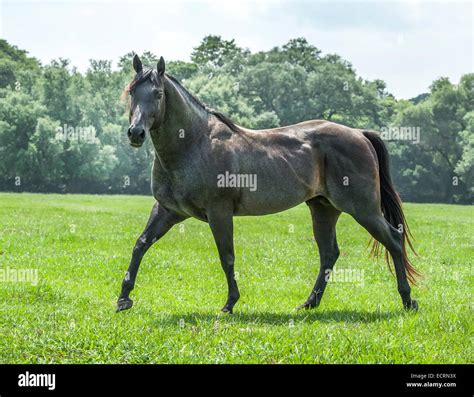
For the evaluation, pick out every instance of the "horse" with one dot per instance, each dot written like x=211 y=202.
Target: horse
x=331 y=167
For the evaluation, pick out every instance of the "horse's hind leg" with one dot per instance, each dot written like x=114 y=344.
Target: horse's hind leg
x=160 y=222
x=392 y=240
x=324 y=217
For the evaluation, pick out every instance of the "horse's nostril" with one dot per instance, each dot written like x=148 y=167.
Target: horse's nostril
x=136 y=134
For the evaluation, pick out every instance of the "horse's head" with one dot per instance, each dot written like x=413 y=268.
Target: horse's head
x=146 y=102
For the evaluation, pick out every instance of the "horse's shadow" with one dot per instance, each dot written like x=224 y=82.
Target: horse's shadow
x=275 y=319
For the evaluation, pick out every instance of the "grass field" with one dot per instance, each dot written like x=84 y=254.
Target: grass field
x=81 y=245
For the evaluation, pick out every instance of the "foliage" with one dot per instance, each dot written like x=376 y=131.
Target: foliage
x=281 y=86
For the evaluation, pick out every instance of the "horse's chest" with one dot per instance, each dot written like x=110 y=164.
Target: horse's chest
x=164 y=195
x=176 y=197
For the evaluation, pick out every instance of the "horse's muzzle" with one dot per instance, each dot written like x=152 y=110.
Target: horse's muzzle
x=136 y=135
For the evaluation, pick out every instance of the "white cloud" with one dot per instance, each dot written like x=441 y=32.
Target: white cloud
x=407 y=44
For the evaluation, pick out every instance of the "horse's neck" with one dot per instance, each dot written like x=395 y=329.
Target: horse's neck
x=183 y=126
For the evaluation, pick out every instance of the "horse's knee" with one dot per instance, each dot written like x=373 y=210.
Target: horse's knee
x=141 y=245
x=329 y=258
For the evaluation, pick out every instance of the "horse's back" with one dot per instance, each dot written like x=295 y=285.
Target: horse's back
x=310 y=131
x=312 y=158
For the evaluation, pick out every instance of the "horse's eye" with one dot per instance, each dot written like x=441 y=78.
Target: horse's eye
x=158 y=93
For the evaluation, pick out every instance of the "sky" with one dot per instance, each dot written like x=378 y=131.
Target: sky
x=408 y=44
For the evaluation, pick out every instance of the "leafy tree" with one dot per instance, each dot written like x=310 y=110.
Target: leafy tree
x=214 y=52
x=430 y=167
x=182 y=70
x=45 y=110
x=465 y=166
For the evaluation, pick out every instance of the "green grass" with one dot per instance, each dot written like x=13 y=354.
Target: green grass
x=81 y=246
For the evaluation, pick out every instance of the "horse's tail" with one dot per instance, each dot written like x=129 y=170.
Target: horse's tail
x=391 y=206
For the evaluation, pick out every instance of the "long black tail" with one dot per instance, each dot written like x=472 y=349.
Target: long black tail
x=391 y=206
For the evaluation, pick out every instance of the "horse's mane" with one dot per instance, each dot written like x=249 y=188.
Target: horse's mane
x=148 y=73
x=139 y=78
x=222 y=117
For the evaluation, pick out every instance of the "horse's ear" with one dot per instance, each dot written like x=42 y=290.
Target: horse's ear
x=160 y=67
x=137 y=64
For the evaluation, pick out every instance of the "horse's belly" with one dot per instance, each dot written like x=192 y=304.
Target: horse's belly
x=278 y=185
x=265 y=209
x=270 y=201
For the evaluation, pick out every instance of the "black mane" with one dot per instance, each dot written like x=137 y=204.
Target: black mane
x=140 y=78
x=148 y=73
x=222 y=117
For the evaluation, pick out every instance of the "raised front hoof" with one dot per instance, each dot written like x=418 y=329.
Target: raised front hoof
x=307 y=305
x=227 y=309
x=124 y=304
x=411 y=306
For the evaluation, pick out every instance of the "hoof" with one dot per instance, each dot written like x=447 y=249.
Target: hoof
x=413 y=305
x=124 y=304
x=226 y=309
x=307 y=305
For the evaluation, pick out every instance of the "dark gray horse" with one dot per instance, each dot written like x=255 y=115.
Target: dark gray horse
x=209 y=168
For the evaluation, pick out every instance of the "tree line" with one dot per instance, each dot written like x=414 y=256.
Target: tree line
x=65 y=131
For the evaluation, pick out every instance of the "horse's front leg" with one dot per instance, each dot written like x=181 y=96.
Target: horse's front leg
x=221 y=223
x=161 y=220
